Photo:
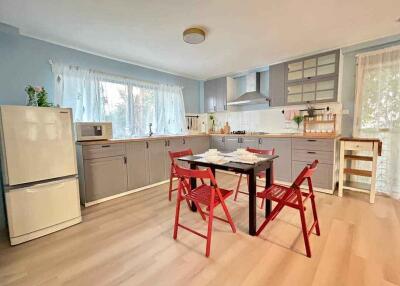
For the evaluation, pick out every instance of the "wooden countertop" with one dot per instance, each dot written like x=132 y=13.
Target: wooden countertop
x=282 y=135
x=135 y=139
x=270 y=135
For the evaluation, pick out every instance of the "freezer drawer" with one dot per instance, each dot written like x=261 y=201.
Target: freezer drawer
x=33 y=209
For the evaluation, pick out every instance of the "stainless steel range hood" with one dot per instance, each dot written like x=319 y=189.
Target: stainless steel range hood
x=252 y=94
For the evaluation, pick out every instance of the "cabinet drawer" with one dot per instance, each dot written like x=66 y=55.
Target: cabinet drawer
x=308 y=156
x=360 y=146
x=313 y=144
x=322 y=178
x=103 y=150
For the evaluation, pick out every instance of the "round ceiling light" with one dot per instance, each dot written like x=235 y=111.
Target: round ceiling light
x=194 y=36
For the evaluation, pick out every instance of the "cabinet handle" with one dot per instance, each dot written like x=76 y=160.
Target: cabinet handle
x=169 y=143
x=105 y=146
x=311 y=152
x=165 y=143
x=147 y=145
x=184 y=141
x=125 y=159
x=259 y=141
x=311 y=140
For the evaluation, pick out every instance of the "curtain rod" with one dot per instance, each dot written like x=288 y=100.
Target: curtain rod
x=51 y=62
x=379 y=51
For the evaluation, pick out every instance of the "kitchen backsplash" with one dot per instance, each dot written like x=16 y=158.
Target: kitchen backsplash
x=270 y=120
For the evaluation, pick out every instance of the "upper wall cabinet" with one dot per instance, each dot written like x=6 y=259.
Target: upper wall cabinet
x=216 y=94
x=277 y=84
x=312 y=79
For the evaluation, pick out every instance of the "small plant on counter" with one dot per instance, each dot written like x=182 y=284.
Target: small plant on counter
x=298 y=119
x=212 y=119
x=37 y=96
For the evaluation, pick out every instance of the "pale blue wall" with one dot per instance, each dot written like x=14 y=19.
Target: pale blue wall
x=24 y=61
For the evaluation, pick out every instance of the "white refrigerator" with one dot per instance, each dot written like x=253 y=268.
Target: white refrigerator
x=39 y=171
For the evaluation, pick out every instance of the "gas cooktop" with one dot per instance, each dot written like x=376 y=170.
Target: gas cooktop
x=239 y=132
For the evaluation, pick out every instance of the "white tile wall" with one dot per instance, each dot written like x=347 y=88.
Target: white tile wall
x=269 y=120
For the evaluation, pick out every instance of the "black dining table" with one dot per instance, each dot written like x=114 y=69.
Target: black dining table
x=251 y=170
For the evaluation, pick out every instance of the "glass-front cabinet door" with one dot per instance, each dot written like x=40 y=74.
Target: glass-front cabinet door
x=312 y=79
x=311 y=67
x=294 y=93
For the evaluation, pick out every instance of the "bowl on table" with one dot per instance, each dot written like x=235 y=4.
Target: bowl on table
x=241 y=151
x=247 y=156
x=213 y=158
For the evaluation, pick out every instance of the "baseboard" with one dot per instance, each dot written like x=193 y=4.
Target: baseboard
x=44 y=231
x=125 y=193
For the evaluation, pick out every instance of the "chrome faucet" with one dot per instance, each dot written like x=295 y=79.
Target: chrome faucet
x=150 y=132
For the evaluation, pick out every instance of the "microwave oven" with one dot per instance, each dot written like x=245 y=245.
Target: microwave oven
x=86 y=131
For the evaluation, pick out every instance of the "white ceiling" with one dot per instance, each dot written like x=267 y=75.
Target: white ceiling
x=241 y=35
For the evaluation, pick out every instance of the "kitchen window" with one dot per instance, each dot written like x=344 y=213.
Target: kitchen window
x=377 y=113
x=131 y=105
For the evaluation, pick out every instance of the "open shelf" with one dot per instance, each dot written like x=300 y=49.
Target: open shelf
x=357 y=172
x=357 y=186
x=358 y=158
x=320 y=121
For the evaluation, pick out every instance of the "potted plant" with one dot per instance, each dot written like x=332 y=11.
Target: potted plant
x=37 y=96
x=212 y=119
x=298 y=119
x=310 y=110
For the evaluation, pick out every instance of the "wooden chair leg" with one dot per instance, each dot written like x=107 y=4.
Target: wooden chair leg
x=305 y=232
x=314 y=210
x=178 y=206
x=210 y=221
x=228 y=216
x=170 y=187
x=238 y=187
x=262 y=203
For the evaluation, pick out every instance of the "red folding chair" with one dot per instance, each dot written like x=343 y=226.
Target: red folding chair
x=294 y=197
x=260 y=175
x=208 y=195
x=172 y=174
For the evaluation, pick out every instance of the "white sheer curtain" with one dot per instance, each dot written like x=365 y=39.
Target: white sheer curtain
x=131 y=105
x=378 y=112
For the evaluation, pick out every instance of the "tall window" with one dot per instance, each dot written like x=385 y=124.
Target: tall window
x=378 y=112
x=129 y=104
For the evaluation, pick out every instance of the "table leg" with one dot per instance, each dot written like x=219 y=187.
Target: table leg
x=268 y=183
x=252 y=203
x=193 y=185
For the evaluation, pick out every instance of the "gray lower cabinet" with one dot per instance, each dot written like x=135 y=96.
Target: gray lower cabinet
x=218 y=142
x=156 y=160
x=322 y=178
x=283 y=164
x=249 y=142
x=306 y=151
x=138 y=175
x=199 y=144
x=105 y=177
x=231 y=143
x=173 y=145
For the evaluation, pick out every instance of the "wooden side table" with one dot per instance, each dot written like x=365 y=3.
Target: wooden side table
x=349 y=144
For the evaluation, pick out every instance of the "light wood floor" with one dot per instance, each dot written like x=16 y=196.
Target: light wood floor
x=128 y=241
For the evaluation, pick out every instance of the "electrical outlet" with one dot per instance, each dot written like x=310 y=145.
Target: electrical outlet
x=345 y=112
